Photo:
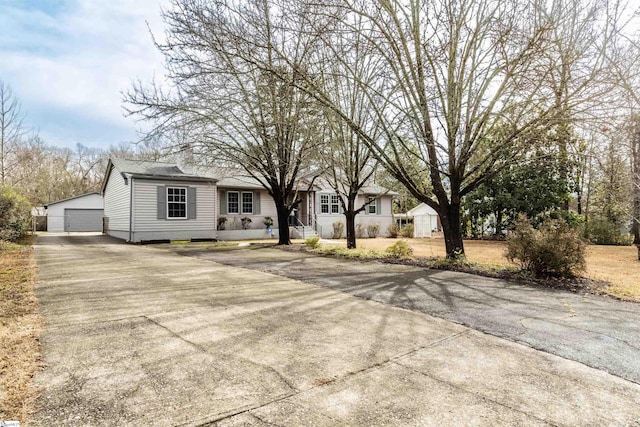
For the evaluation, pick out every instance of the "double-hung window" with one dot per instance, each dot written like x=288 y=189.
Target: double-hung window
x=247 y=203
x=176 y=202
x=324 y=203
x=335 y=204
x=329 y=203
x=371 y=207
x=233 y=202
x=240 y=202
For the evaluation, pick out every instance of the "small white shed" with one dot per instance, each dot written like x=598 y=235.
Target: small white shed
x=425 y=220
x=80 y=213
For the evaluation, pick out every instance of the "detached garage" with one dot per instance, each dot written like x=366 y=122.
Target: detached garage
x=80 y=213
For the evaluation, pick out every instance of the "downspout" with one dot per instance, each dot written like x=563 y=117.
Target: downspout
x=131 y=209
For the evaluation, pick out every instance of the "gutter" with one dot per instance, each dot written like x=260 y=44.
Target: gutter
x=187 y=178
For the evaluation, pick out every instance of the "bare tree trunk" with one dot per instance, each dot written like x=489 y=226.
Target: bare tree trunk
x=450 y=218
x=284 y=237
x=499 y=223
x=350 y=218
x=635 y=183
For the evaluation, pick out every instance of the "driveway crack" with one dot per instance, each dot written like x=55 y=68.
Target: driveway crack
x=204 y=350
x=479 y=395
x=180 y=337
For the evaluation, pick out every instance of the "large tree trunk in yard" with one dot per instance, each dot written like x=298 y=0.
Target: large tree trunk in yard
x=351 y=229
x=450 y=218
x=283 y=225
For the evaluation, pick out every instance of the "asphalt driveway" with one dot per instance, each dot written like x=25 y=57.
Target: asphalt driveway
x=139 y=335
x=596 y=330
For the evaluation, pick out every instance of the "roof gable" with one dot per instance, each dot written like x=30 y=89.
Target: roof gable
x=422 y=209
x=93 y=193
x=150 y=170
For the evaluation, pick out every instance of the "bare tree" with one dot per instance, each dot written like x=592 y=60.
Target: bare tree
x=226 y=107
x=577 y=68
x=89 y=166
x=634 y=148
x=611 y=194
x=11 y=128
x=625 y=61
x=460 y=83
x=351 y=166
x=351 y=162
x=44 y=173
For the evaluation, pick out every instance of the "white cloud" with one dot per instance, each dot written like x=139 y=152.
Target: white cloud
x=79 y=58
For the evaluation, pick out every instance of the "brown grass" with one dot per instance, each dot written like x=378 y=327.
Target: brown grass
x=20 y=324
x=618 y=265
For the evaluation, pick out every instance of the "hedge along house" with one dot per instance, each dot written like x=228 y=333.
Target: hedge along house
x=80 y=213
x=152 y=201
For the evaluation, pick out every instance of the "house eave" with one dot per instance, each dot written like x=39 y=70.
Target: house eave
x=182 y=178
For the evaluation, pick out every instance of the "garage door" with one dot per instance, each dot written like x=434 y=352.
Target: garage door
x=83 y=219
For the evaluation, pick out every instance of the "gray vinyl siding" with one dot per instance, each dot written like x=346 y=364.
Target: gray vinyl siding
x=147 y=226
x=267 y=207
x=116 y=203
x=383 y=217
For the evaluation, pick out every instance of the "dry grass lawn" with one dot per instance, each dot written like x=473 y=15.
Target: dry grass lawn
x=20 y=325
x=618 y=265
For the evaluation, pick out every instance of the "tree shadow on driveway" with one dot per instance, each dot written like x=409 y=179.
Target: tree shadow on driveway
x=595 y=330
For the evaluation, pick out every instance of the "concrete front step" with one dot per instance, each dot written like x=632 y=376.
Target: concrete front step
x=305 y=232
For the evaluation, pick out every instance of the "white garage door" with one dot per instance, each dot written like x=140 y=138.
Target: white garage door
x=83 y=219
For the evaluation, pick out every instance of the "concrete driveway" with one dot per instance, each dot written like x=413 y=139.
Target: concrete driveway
x=139 y=335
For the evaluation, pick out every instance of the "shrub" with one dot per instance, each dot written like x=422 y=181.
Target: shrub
x=399 y=249
x=338 y=230
x=222 y=221
x=373 y=230
x=407 y=231
x=267 y=221
x=14 y=214
x=602 y=232
x=359 y=231
x=342 y=252
x=312 y=242
x=246 y=223
x=393 y=230
x=553 y=250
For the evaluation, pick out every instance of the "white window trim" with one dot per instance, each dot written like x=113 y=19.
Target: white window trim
x=229 y=204
x=332 y=204
x=372 y=203
x=327 y=204
x=186 y=203
x=242 y=203
x=241 y=210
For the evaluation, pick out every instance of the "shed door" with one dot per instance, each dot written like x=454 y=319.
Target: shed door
x=83 y=219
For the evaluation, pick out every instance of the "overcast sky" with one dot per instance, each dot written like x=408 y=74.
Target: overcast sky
x=68 y=62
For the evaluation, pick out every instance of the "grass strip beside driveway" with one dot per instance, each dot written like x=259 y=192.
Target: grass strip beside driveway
x=20 y=325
